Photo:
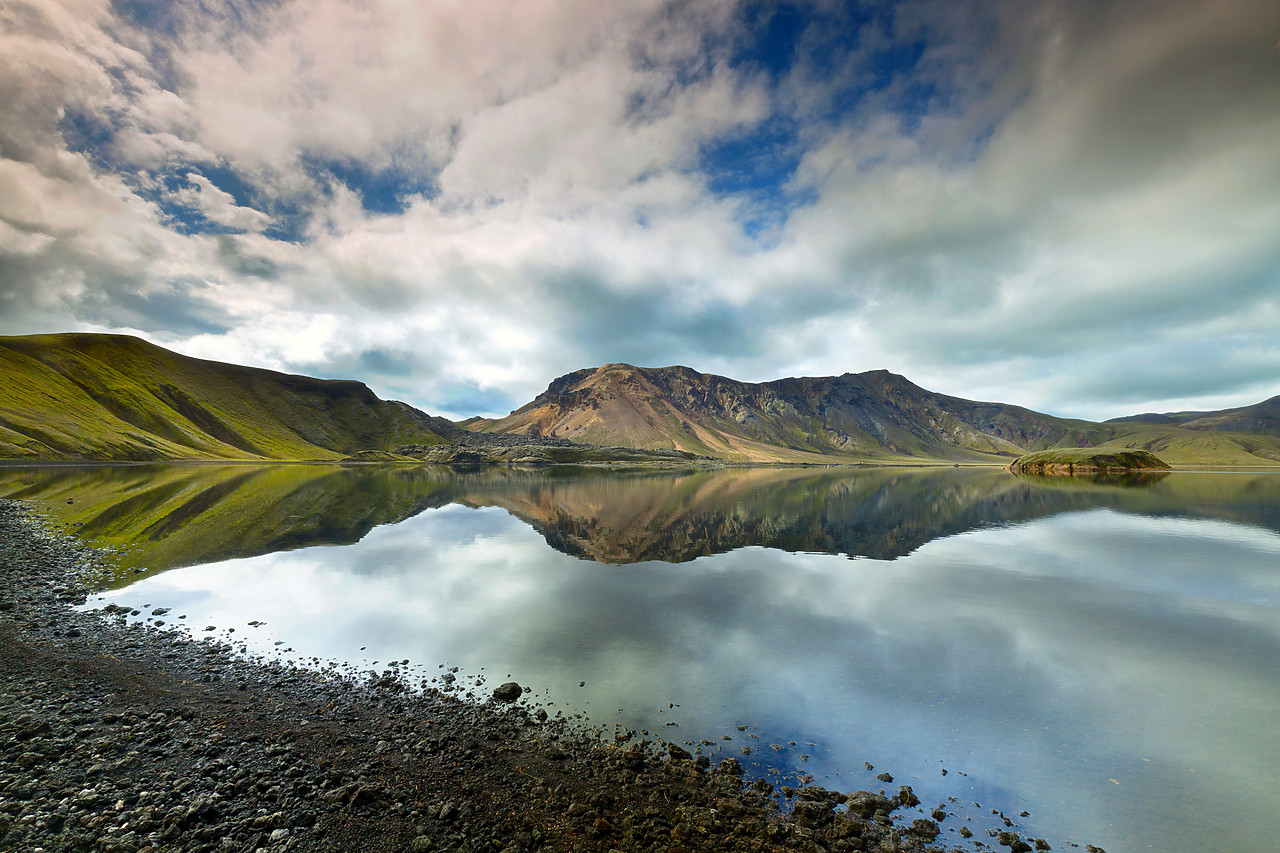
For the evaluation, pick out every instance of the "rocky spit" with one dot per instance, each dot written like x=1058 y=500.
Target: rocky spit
x=126 y=738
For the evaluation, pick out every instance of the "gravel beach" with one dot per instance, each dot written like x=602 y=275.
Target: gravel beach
x=116 y=736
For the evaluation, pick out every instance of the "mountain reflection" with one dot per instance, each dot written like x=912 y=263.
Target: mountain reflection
x=163 y=517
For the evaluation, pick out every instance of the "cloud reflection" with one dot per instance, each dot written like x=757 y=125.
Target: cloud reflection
x=1044 y=659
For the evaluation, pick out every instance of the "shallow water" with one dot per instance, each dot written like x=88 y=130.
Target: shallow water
x=1105 y=656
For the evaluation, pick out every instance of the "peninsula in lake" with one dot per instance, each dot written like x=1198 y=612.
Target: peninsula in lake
x=88 y=397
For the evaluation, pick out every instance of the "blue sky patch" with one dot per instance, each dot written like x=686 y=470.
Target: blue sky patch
x=386 y=190
x=471 y=399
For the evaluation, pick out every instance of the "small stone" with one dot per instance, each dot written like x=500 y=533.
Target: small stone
x=421 y=844
x=885 y=778
x=279 y=834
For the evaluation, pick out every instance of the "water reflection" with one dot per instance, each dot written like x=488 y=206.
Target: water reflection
x=1103 y=657
x=1091 y=668
x=170 y=516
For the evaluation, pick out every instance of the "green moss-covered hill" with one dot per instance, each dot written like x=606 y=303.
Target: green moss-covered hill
x=113 y=397
x=1086 y=460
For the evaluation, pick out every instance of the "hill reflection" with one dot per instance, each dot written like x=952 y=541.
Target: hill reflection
x=162 y=517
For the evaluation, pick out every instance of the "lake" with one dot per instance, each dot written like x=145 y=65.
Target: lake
x=1103 y=654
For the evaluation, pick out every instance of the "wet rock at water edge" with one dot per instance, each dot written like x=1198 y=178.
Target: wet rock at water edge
x=508 y=692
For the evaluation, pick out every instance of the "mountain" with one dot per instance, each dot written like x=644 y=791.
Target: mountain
x=874 y=416
x=114 y=397
x=1259 y=419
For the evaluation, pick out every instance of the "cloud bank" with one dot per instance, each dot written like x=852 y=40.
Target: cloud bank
x=1068 y=205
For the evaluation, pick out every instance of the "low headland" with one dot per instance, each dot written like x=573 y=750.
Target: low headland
x=1075 y=461
x=125 y=738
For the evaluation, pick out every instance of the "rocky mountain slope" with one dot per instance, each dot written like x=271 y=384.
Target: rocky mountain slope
x=876 y=416
x=113 y=397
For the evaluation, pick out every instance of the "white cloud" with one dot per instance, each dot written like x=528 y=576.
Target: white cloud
x=218 y=206
x=1051 y=189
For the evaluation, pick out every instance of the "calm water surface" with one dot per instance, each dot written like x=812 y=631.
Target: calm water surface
x=1104 y=655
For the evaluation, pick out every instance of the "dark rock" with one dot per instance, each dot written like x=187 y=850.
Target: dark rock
x=508 y=692
x=866 y=803
x=730 y=766
x=1013 y=842
x=885 y=778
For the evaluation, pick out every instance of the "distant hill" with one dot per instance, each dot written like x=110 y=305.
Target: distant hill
x=875 y=416
x=114 y=397
x=1259 y=419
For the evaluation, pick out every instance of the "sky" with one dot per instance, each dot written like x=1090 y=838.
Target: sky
x=1072 y=205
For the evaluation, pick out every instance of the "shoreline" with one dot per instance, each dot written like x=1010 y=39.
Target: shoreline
x=119 y=737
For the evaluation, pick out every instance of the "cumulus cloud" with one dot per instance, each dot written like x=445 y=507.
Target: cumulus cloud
x=218 y=206
x=1064 y=205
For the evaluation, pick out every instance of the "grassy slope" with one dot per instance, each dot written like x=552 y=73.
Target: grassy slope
x=1184 y=447
x=109 y=397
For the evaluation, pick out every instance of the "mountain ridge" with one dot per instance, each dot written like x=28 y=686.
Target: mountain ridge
x=872 y=416
x=92 y=397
